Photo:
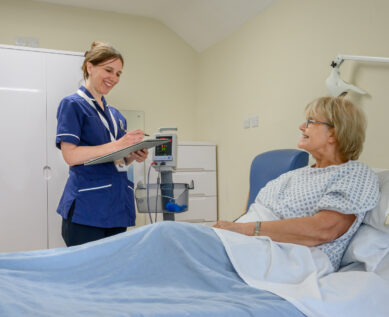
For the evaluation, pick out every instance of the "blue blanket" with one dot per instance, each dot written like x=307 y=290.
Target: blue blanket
x=165 y=269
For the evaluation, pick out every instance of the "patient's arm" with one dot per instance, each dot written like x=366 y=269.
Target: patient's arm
x=323 y=227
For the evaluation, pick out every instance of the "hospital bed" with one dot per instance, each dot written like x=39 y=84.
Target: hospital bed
x=183 y=269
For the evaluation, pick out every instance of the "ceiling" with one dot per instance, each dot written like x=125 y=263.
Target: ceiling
x=201 y=23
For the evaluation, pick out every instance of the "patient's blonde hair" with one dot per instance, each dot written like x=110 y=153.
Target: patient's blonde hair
x=348 y=121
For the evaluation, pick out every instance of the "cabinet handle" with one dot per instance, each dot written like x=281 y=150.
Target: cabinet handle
x=200 y=169
x=195 y=220
x=47 y=173
x=198 y=195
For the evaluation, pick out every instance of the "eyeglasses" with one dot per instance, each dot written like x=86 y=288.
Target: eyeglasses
x=315 y=121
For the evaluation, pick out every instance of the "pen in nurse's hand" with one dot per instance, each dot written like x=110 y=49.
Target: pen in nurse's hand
x=145 y=134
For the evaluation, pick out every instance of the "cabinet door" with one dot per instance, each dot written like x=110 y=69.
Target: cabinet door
x=23 y=216
x=201 y=209
x=196 y=158
x=64 y=77
x=204 y=182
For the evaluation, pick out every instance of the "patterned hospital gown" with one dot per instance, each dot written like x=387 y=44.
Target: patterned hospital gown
x=349 y=188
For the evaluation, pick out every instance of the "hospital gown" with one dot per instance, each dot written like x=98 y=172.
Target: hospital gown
x=349 y=188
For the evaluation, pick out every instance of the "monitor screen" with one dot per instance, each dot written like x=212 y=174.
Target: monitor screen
x=164 y=151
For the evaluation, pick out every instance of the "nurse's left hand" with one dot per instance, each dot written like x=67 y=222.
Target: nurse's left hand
x=139 y=156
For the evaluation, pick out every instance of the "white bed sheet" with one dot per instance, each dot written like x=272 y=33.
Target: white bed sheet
x=298 y=274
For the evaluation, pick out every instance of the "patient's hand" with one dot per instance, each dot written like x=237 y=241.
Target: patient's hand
x=243 y=228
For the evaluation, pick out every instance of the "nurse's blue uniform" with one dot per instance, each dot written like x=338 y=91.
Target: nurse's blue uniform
x=103 y=197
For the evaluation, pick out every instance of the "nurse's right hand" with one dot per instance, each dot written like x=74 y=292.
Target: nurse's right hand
x=130 y=138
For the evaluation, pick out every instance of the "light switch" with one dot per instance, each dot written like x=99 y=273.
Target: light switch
x=32 y=42
x=21 y=41
x=246 y=123
x=254 y=121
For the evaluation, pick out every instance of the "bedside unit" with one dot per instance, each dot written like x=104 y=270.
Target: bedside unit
x=196 y=161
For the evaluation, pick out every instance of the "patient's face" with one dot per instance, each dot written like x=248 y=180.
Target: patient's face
x=315 y=138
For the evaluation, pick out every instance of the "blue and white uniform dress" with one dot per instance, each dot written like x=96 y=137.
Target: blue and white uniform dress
x=103 y=196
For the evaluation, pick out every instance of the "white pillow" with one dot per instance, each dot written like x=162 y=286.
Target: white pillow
x=380 y=214
x=368 y=246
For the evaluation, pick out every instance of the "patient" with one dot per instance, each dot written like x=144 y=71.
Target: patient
x=176 y=269
x=324 y=204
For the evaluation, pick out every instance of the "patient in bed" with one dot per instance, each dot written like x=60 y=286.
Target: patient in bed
x=176 y=269
x=324 y=204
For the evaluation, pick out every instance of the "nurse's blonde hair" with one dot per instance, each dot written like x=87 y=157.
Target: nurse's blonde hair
x=99 y=53
x=348 y=121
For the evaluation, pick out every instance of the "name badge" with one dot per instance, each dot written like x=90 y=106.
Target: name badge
x=121 y=165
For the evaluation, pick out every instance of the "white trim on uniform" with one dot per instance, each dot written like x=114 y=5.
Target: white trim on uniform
x=68 y=134
x=94 y=188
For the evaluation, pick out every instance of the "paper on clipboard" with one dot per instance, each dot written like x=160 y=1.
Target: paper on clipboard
x=146 y=144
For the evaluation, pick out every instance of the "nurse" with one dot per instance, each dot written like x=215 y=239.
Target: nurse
x=98 y=200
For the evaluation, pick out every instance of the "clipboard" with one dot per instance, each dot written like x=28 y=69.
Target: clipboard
x=146 y=144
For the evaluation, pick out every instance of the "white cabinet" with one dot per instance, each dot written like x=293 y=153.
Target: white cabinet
x=196 y=161
x=23 y=204
x=64 y=76
x=32 y=170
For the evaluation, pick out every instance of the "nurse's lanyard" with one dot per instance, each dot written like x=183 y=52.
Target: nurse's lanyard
x=90 y=101
x=115 y=126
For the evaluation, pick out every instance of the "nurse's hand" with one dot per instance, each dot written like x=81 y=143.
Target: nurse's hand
x=139 y=156
x=130 y=138
x=243 y=228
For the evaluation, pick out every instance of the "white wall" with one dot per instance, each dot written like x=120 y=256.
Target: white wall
x=273 y=66
x=159 y=67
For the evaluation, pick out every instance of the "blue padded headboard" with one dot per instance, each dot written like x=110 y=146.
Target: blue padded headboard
x=269 y=165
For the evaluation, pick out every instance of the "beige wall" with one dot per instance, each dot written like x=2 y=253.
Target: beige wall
x=159 y=70
x=273 y=66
